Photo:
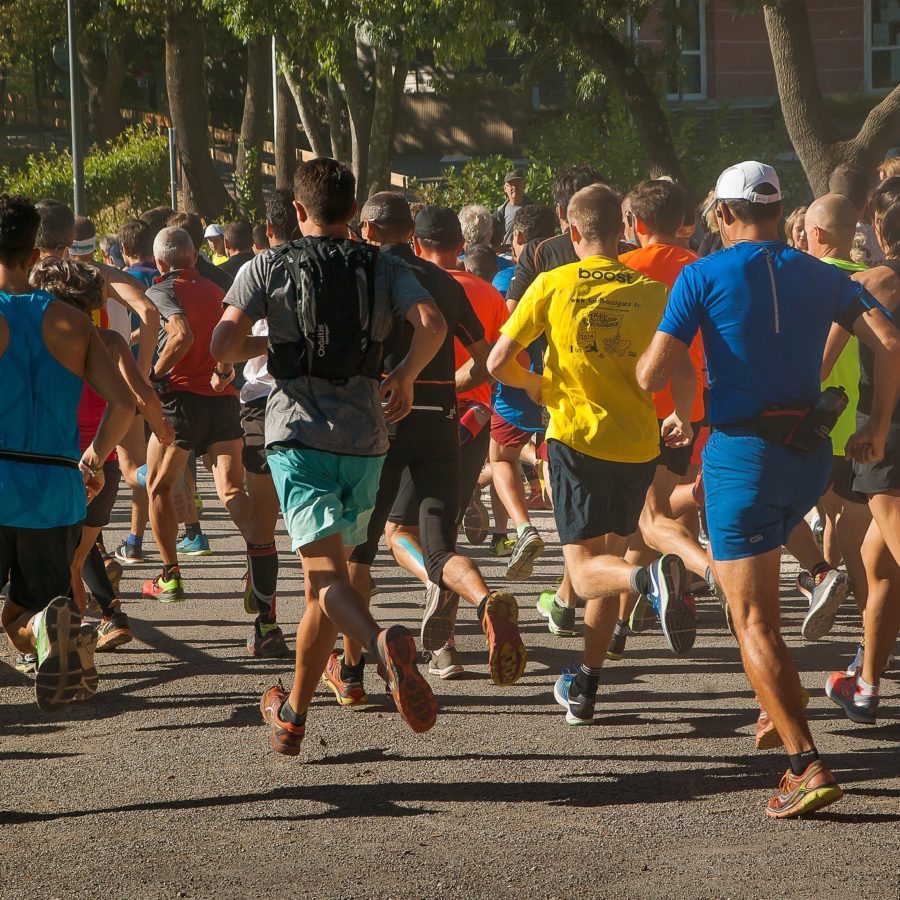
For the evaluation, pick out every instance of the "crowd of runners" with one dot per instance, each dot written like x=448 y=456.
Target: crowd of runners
x=689 y=393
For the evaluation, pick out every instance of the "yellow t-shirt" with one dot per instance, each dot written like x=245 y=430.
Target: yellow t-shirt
x=598 y=316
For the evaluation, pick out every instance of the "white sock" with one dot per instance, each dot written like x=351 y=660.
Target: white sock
x=864 y=689
x=559 y=602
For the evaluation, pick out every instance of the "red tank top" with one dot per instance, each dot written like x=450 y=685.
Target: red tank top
x=90 y=411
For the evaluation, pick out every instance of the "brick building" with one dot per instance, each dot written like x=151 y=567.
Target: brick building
x=725 y=54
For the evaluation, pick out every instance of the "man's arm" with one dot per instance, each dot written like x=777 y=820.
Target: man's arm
x=834 y=347
x=876 y=331
x=503 y=363
x=677 y=430
x=429 y=331
x=660 y=360
x=473 y=373
x=130 y=293
x=179 y=338
x=232 y=341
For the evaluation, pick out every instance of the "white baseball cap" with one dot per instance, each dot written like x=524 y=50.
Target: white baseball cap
x=741 y=181
x=213 y=231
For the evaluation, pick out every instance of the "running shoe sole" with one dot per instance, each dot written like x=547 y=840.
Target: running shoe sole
x=280 y=739
x=507 y=655
x=809 y=802
x=440 y=614
x=642 y=616
x=341 y=699
x=476 y=522
x=521 y=563
x=679 y=623
x=551 y=625
x=832 y=592
x=129 y=561
x=114 y=639
x=206 y=552
x=564 y=703
x=68 y=672
x=413 y=697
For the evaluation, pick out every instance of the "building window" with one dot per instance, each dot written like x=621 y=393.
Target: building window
x=688 y=32
x=883 y=44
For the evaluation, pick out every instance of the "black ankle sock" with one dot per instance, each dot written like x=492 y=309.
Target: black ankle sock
x=799 y=761
x=169 y=571
x=621 y=624
x=192 y=529
x=352 y=673
x=640 y=581
x=286 y=714
x=483 y=606
x=586 y=681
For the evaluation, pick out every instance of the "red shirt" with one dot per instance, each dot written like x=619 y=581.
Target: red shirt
x=491 y=310
x=184 y=292
x=664 y=262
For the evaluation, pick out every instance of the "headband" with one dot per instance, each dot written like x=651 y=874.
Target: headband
x=83 y=248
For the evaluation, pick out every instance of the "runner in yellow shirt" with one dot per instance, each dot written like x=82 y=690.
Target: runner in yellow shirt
x=598 y=316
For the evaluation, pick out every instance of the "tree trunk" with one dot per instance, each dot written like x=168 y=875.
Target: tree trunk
x=382 y=127
x=336 y=106
x=298 y=80
x=257 y=93
x=616 y=60
x=286 y=138
x=103 y=78
x=812 y=133
x=206 y=195
x=361 y=107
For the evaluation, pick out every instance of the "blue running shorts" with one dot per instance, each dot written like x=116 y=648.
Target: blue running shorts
x=325 y=493
x=757 y=492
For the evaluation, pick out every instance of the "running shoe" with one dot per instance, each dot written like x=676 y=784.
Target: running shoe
x=270 y=645
x=113 y=632
x=412 y=694
x=801 y=794
x=642 y=616
x=767 y=736
x=440 y=614
x=844 y=691
x=166 y=591
x=113 y=573
x=616 y=649
x=195 y=546
x=65 y=656
x=528 y=547
x=830 y=591
x=506 y=652
x=129 y=554
x=579 y=707
x=476 y=521
x=284 y=737
x=446 y=663
x=560 y=619
x=666 y=596
x=347 y=692
x=501 y=545
x=26 y=663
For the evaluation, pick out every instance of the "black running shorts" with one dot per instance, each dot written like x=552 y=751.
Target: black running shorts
x=841 y=481
x=100 y=508
x=883 y=476
x=201 y=421
x=593 y=497
x=678 y=459
x=37 y=562
x=253 y=421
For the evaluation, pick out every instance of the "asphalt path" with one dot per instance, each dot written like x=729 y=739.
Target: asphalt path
x=164 y=786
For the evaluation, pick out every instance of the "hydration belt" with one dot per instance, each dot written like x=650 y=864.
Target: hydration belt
x=40 y=459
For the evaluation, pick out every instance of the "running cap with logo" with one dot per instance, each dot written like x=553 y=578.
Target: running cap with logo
x=214 y=231
x=513 y=175
x=741 y=182
x=439 y=224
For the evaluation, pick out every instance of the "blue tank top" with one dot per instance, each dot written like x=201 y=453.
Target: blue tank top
x=38 y=415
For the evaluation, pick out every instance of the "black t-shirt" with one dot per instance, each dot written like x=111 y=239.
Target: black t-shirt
x=234 y=263
x=540 y=256
x=215 y=274
x=436 y=384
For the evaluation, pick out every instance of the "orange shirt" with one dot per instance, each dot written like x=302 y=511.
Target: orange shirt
x=490 y=307
x=664 y=262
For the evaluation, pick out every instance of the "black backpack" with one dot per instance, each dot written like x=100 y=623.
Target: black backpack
x=334 y=301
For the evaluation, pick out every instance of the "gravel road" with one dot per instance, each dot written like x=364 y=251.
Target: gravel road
x=163 y=785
